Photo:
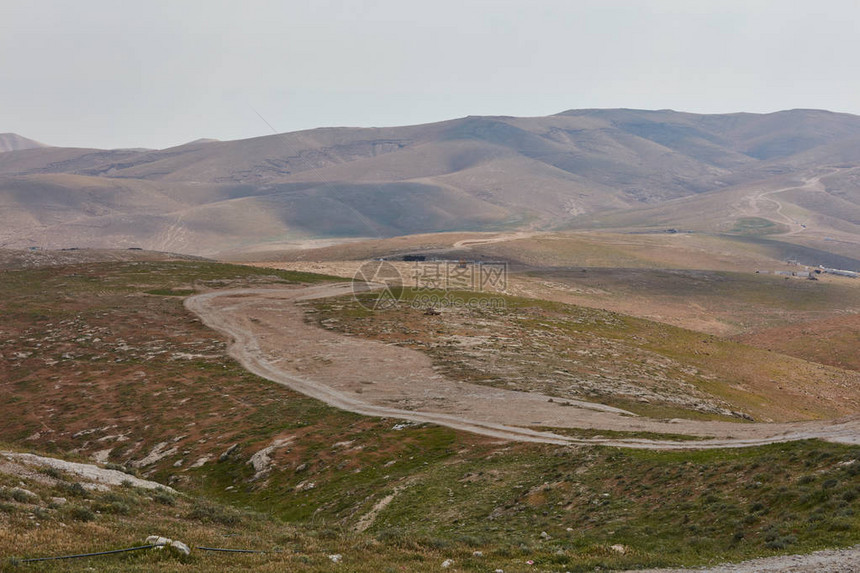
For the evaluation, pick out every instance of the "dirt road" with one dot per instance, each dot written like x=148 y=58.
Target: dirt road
x=829 y=561
x=810 y=185
x=466 y=243
x=271 y=339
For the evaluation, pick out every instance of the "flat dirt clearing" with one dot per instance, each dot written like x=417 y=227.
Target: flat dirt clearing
x=272 y=339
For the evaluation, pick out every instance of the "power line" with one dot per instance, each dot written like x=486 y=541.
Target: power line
x=275 y=131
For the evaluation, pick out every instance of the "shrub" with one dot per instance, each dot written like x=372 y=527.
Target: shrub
x=211 y=513
x=164 y=497
x=80 y=513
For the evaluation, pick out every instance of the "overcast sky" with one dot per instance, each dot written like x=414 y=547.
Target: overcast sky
x=157 y=73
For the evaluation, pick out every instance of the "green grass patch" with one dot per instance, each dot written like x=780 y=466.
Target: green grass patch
x=757 y=226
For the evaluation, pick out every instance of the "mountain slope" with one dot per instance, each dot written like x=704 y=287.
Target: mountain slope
x=621 y=168
x=14 y=142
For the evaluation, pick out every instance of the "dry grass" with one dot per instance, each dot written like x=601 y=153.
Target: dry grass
x=124 y=387
x=576 y=352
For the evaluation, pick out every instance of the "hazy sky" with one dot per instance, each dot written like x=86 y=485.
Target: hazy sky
x=156 y=73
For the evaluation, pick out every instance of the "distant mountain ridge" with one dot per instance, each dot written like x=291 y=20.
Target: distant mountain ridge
x=15 y=142
x=578 y=168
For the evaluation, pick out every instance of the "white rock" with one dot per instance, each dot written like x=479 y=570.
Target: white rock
x=181 y=547
x=447 y=563
x=25 y=492
x=336 y=558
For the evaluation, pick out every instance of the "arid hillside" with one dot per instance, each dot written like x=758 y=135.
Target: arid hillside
x=14 y=142
x=789 y=173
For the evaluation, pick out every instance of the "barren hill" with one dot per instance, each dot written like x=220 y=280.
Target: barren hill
x=14 y=142
x=795 y=170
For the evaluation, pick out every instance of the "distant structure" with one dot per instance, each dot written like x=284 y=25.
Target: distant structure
x=840 y=272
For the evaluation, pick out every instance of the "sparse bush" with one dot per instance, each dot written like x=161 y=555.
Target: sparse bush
x=434 y=543
x=164 y=497
x=839 y=525
x=113 y=507
x=780 y=542
x=395 y=536
x=22 y=496
x=53 y=472
x=80 y=513
x=73 y=489
x=211 y=513
x=124 y=469
x=41 y=513
x=470 y=540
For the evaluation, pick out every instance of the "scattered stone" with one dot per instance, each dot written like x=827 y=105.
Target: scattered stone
x=162 y=542
x=157 y=540
x=181 y=547
x=620 y=549
x=20 y=491
x=478 y=554
x=447 y=563
x=158 y=453
x=223 y=457
x=544 y=535
x=262 y=460
x=102 y=456
x=336 y=558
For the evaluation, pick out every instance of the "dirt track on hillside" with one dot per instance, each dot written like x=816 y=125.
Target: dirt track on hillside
x=829 y=561
x=271 y=338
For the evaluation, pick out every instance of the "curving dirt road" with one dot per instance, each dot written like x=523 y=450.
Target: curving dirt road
x=467 y=243
x=828 y=561
x=270 y=337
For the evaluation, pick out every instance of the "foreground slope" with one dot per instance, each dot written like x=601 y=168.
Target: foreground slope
x=108 y=367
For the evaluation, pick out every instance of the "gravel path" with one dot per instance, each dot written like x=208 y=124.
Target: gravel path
x=829 y=561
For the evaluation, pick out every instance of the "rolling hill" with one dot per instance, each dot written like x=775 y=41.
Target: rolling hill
x=14 y=142
x=791 y=174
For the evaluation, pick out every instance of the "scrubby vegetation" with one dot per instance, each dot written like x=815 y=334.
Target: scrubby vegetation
x=93 y=365
x=570 y=351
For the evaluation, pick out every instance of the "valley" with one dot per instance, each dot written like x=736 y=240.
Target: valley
x=661 y=370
